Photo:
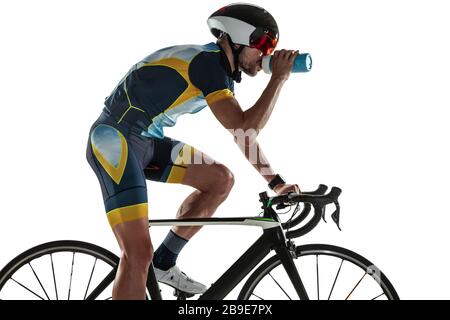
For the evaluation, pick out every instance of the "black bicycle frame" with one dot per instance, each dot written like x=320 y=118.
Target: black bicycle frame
x=271 y=239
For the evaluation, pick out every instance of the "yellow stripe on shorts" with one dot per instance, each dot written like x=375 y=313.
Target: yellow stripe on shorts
x=129 y=213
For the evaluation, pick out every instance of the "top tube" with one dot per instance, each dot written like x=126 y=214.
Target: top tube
x=265 y=223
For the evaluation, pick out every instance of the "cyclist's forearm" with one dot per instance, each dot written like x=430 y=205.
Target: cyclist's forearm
x=257 y=116
x=258 y=160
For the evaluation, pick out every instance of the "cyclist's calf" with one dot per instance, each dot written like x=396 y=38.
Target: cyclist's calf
x=213 y=183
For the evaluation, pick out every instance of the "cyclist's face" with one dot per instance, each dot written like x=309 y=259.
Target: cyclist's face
x=250 y=61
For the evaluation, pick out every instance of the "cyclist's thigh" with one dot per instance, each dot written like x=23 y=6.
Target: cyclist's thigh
x=116 y=159
x=174 y=161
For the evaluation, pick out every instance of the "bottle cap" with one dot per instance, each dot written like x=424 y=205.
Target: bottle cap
x=308 y=62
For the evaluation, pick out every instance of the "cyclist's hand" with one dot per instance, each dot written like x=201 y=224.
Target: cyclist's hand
x=282 y=62
x=283 y=188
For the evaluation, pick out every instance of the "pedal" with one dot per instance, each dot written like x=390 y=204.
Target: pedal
x=181 y=295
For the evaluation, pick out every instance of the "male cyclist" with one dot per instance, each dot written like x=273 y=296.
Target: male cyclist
x=127 y=145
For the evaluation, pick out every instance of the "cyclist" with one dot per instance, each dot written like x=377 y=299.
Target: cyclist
x=127 y=145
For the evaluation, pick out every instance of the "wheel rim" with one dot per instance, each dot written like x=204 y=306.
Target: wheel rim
x=58 y=272
x=327 y=274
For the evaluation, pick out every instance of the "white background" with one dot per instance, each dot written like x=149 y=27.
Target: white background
x=371 y=117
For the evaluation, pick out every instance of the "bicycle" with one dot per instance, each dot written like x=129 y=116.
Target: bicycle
x=286 y=271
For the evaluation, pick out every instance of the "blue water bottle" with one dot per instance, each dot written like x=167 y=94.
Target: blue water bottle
x=302 y=63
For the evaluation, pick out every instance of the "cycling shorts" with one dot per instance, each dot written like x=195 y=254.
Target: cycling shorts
x=122 y=161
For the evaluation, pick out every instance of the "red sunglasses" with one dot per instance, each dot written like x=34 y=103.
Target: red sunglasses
x=265 y=44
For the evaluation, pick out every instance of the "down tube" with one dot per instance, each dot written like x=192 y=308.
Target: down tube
x=242 y=267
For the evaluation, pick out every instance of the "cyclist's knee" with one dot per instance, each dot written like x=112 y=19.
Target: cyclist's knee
x=224 y=180
x=138 y=257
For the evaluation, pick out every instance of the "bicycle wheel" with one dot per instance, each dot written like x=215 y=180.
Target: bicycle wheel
x=328 y=273
x=60 y=270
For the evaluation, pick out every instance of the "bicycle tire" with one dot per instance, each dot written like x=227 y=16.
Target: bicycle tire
x=54 y=247
x=318 y=249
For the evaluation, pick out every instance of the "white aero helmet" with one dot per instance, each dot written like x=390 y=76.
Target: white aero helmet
x=246 y=24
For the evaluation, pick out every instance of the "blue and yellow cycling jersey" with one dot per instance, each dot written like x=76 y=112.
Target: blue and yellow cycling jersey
x=168 y=83
x=126 y=144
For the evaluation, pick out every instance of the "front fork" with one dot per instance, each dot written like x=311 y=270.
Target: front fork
x=287 y=254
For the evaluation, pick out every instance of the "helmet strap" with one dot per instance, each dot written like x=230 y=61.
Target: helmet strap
x=237 y=74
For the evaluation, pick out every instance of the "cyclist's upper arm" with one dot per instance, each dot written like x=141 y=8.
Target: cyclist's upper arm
x=228 y=112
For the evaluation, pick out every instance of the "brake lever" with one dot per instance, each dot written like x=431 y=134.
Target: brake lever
x=323 y=215
x=334 y=194
x=336 y=214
